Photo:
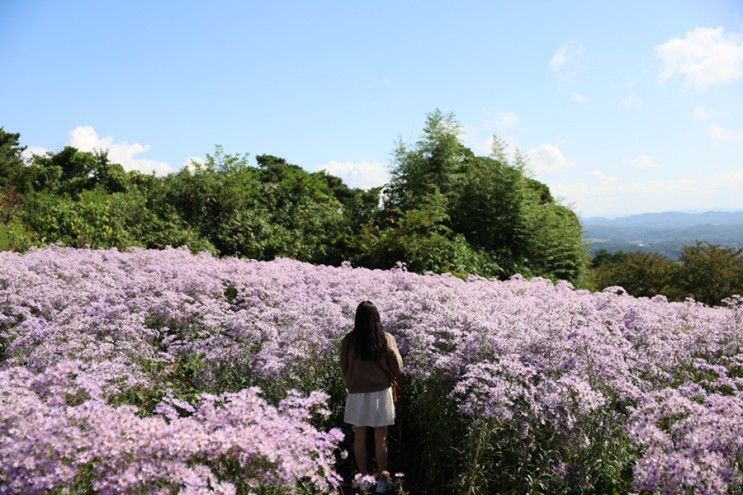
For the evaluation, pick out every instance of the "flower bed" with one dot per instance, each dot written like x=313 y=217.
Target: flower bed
x=163 y=370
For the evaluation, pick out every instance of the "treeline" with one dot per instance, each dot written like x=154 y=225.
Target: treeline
x=444 y=210
x=707 y=272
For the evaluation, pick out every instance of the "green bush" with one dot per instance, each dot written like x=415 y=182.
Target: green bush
x=706 y=272
x=15 y=237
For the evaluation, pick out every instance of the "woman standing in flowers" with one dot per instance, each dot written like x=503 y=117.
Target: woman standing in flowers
x=369 y=361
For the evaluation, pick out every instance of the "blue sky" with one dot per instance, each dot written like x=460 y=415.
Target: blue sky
x=622 y=108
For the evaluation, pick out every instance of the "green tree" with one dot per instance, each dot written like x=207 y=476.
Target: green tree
x=445 y=209
x=359 y=207
x=640 y=274
x=274 y=209
x=11 y=161
x=487 y=200
x=711 y=272
x=303 y=205
x=553 y=239
x=197 y=193
x=434 y=165
x=606 y=258
x=71 y=171
x=422 y=239
x=488 y=207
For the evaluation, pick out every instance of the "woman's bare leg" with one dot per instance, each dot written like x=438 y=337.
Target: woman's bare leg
x=380 y=447
x=359 y=447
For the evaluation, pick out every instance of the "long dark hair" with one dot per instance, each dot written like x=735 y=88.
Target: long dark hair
x=367 y=336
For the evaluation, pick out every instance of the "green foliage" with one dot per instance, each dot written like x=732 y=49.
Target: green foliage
x=180 y=380
x=97 y=219
x=489 y=205
x=275 y=209
x=706 y=272
x=711 y=272
x=195 y=193
x=434 y=165
x=303 y=205
x=540 y=193
x=504 y=216
x=70 y=172
x=444 y=210
x=554 y=241
x=14 y=236
x=604 y=257
x=11 y=162
x=360 y=210
x=640 y=274
x=484 y=455
x=101 y=220
x=422 y=238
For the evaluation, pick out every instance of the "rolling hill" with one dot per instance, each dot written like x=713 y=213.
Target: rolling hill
x=663 y=232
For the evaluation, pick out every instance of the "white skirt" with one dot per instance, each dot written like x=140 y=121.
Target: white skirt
x=370 y=409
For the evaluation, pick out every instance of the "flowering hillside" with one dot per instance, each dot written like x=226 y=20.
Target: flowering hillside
x=161 y=371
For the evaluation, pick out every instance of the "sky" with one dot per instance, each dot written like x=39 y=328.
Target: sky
x=620 y=107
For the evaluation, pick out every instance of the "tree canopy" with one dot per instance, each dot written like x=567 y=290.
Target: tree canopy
x=444 y=209
x=510 y=221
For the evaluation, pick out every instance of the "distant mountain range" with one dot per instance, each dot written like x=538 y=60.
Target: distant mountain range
x=663 y=232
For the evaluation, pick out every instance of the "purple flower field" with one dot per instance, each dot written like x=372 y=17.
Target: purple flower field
x=163 y=371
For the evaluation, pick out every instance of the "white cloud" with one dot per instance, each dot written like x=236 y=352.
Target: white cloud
x=701 y=113
x=704 y=56
x=608 y=195
x=363 y=174
x=578 y=97
x=599 y=174
x=728 y=179
x=547 y=158
x=631 y=101
x=85 y=138
x=564 y=59
x=644 y=162
x=501 y=120
x=479 y=141
x=30 y=151
x=188 y=163
x=719 y=134
x=611 y=187
x=497 y=121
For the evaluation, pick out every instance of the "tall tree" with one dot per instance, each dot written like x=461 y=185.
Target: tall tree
x=553 y=238
x=434 y=164
x=487 y=208
x=11 y=161
x=489 y=201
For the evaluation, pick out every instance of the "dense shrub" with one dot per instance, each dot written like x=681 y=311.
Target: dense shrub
x=706 y=272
